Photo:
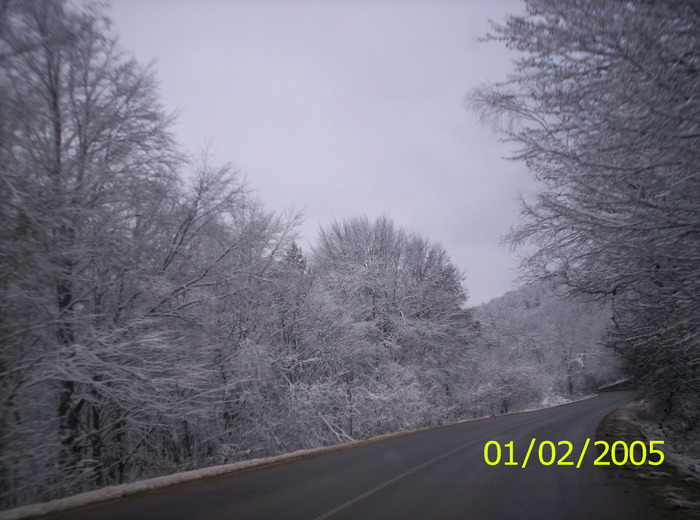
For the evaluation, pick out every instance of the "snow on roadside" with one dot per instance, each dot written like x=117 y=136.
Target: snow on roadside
x=554 y=401
x=676 y=483
x=122 y=490
x=685 y=463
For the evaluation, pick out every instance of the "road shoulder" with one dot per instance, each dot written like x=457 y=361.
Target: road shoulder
x=675 y=488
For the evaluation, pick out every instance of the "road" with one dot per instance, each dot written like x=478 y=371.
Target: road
x=434 y=474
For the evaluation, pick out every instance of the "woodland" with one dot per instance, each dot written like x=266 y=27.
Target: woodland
x=156 y=317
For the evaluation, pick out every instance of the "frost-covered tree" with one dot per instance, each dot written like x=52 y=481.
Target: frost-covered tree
x=537 y=345
x=130 y=300
x=404 y=299
x=604 y=107
x=154 y=317
x=85 y=150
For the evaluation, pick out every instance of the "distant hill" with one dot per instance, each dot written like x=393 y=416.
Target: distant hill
x=538 y=345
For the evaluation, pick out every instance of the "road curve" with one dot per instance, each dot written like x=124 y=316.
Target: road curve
x=434 y=474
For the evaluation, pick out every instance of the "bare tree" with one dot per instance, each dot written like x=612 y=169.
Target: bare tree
x=603 y=105
x=405 y=298
x=85 y=146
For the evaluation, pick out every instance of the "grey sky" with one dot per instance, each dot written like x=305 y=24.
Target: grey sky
x=339 y=108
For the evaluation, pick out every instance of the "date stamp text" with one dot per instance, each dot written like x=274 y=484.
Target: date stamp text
x=563 y=453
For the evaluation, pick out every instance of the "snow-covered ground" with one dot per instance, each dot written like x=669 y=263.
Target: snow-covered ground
x=677 y=482
x=122 y=490
x=685 y=463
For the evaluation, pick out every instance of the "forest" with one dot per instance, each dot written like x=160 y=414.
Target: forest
x=155 y=316
x=603 y=109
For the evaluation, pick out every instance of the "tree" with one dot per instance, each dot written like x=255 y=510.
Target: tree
x=604 y=108
x=131 y=301
x=85 y=153
x=404 y=299
x=539 y=344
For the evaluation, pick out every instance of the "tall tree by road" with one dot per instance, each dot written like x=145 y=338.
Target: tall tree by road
x=604 y=108
x=111 y=267
x=85 y=152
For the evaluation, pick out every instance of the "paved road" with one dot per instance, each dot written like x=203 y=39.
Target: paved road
x=435 y=474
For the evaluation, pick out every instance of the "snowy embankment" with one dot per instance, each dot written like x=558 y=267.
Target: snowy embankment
x=122 y=490
x=675 y=483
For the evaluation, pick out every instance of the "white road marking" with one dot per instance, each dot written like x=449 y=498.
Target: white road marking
x=364 y=495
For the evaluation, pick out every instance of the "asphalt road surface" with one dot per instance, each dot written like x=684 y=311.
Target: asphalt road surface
x=434 y=474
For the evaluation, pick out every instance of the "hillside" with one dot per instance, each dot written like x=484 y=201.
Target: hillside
x=537 y=345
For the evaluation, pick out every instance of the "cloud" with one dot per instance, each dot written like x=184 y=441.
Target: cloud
x=342 y=108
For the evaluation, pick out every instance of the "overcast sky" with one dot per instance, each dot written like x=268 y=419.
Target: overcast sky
x=344 y=107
